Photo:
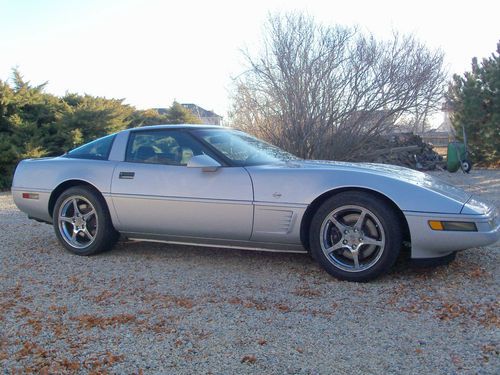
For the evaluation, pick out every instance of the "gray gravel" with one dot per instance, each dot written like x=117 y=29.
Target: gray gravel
x=152 y=308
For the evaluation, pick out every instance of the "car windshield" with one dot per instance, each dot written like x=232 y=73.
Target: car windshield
x=243 y=149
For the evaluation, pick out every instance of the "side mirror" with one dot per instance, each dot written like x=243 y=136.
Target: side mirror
x=205 y=162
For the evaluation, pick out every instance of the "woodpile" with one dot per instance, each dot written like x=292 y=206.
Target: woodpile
x=405 y=149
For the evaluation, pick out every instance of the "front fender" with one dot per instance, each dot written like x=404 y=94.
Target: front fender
x=303 y=186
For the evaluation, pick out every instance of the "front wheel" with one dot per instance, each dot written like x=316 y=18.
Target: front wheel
x=82 y=222
x=355 y=236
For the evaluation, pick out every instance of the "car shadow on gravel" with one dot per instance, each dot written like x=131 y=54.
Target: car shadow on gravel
x=275 y=262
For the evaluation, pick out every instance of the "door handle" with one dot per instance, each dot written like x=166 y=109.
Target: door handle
x=126 y=175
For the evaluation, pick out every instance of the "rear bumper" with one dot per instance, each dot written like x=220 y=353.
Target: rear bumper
x=428 y=243
x=35 y=208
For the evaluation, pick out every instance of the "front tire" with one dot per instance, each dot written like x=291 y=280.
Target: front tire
x=82 y=222
x=355 y=236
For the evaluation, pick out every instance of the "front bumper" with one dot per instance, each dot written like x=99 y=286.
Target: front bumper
x=428 y=243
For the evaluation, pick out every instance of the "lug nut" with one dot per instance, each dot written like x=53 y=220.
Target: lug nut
x=344 y=242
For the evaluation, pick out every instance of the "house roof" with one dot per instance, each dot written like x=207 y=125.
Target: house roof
x=198 y=111
x=195 y=109
x=172 y=126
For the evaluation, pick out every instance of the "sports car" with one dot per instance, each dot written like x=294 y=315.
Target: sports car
x=214 y=186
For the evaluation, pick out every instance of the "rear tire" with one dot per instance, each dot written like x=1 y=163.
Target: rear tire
x=82 y=222
x=355 y=236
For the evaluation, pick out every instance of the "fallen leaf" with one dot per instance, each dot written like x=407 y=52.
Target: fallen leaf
x=249 y=359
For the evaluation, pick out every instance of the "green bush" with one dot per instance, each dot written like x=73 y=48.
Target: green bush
x=34 y=123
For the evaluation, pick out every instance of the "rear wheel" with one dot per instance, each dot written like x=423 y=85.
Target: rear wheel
x=466 y=166
x=82 y=222
x=355 y=236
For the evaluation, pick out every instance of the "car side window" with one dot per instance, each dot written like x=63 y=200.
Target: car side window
x=170 y=147
x=95 y=150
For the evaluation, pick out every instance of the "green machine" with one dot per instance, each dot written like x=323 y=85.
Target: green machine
x=458 y=157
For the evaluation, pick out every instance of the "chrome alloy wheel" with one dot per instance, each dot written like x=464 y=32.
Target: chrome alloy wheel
x=352 y=238
x=77 y=221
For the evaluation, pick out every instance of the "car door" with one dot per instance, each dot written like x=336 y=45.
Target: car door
x=154 y=192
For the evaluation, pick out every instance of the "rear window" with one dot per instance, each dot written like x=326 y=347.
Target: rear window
x=96 y=150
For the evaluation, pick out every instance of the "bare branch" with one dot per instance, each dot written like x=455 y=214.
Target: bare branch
x=324 y=92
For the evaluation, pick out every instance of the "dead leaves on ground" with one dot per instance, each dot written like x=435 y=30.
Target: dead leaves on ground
x=161 y=313
x=282 y=307
x=167 y=300
x=486 y=314
x=307 y=292
x=250 y=359
x=88 y=321
x=249 y=303
x=48 y=362
x=489 y=351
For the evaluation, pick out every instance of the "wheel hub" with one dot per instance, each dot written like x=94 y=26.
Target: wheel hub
x=79 y=222
x=353 y=237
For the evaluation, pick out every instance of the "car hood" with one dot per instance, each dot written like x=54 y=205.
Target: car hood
x=394 y=172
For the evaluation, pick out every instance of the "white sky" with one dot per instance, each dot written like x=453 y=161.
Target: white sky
x=152 y=52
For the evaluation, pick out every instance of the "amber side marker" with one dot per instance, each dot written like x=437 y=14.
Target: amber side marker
x=458 y=226
x=435 y=225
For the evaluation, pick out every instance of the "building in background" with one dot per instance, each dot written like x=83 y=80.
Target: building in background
x=206 y=117
x=444 y=133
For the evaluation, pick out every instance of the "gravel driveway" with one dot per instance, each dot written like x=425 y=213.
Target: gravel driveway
x=153 y=308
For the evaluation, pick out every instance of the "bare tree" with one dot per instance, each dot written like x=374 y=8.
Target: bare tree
x=325 y=92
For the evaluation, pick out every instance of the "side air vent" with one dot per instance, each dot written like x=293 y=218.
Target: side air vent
x=272 y=221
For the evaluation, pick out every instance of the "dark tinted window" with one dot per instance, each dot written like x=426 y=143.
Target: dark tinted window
x=170 y=147
x=96 y=150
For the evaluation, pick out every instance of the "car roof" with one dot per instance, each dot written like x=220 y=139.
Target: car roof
x=175 y=126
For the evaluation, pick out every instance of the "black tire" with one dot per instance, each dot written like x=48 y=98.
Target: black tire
x=466 y=166
x=380 y=226
x=101 y=235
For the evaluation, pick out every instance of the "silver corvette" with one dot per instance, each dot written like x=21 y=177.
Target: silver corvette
x=213 y=186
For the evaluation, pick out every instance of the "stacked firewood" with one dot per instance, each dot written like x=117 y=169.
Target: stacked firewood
x=405 y=149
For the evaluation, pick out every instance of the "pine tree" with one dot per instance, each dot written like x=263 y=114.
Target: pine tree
x=177 y=114
x=475 y=101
